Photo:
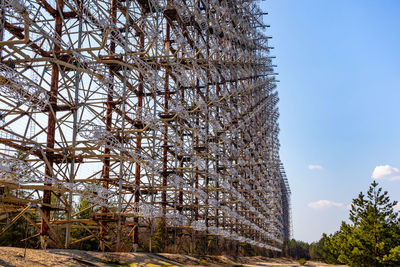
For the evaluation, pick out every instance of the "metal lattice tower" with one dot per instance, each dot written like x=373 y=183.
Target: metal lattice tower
x=152 y=111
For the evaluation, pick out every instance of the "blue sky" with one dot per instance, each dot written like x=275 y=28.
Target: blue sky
x=339 y=71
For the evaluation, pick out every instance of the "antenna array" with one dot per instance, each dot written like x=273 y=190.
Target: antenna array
x=151 y=111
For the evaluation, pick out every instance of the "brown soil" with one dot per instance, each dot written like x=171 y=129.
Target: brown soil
x=13 y=257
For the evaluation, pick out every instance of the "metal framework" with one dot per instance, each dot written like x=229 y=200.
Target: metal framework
x=152 y=111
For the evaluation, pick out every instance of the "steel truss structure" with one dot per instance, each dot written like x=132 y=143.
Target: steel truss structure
x=153 y=111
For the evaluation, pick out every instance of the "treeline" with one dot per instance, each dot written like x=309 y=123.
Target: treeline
x=371 y=239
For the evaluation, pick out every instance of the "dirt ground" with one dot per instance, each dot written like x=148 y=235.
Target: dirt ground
x=13 y=257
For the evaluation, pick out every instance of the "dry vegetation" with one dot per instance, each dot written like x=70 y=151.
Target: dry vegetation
x=13 y=257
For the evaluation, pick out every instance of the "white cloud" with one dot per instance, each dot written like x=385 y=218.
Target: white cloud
x=386 y=172
x=397 y=207
x=322 y=204
x=315 y=167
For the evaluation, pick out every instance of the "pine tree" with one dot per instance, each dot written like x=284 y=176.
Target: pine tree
x=373 y=238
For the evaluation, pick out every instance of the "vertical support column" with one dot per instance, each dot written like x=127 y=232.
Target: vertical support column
x=109 y=111
x=207 y=129
x=216 y=167
x=180 y=158
x=196 y=169
x=165 y=135
x=2 y=25
x=181 y=161
x=138 y=142
x=51 y=127
x=74 y=134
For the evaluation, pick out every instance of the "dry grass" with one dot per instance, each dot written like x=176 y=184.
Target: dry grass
x=15 y=257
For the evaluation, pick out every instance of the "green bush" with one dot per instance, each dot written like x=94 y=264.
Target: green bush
x=158 y=239
x=302 y=261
